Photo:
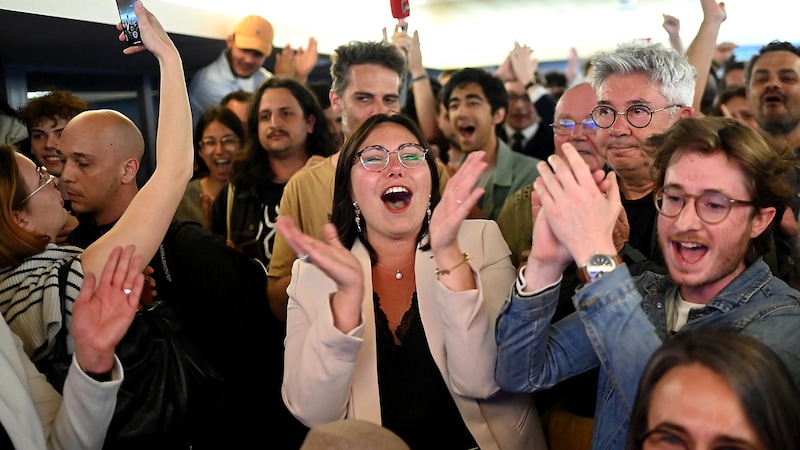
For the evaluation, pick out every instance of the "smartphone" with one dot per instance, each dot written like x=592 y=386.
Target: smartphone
x=130 y=24
x=400 y=9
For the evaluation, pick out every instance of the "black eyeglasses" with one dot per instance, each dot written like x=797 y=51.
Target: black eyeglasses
x=711 y=207
x=639 y=116
x=229 y=143
x=567 y=127
x=45 y=178
x=376 y=157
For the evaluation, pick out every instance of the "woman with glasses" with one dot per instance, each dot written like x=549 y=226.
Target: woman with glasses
x=391 y=317
x=715 y=389
x=219 y=135
x=31 y=291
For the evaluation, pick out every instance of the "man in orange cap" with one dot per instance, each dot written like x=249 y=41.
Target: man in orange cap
x=238 y=68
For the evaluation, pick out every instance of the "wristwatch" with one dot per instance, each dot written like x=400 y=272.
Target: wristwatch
x=598 y=266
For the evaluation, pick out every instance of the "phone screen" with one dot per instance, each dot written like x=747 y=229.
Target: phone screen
x=130 y=25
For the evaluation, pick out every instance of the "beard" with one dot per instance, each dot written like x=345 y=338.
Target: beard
x=728 y=261
x=778 y=126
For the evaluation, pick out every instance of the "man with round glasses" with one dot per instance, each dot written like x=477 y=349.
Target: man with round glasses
x=718 y=186
x=640 y=92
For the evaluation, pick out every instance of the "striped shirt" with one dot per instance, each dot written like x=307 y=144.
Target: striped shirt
x=30 y=297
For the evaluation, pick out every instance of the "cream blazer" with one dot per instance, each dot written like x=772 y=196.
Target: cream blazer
x=329 y=375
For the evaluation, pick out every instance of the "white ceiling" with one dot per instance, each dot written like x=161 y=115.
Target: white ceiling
x=456 y=33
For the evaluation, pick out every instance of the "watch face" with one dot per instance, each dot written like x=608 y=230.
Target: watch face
x=596 y=267
x=602 y=261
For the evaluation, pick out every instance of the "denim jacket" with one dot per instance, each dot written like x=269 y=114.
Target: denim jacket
x=619 y=322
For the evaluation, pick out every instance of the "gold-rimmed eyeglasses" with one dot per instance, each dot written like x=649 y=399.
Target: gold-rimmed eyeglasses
x=45 y=178
x=711 y=207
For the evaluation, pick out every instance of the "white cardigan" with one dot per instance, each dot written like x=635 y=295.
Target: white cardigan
x=329 y=375
x=36 y=417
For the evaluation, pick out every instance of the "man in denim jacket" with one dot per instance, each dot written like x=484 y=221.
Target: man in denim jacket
x=718 y=185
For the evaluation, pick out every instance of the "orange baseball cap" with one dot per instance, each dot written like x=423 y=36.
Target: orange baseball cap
x=254 y=33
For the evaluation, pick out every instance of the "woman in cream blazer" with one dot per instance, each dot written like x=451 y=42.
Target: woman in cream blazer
x=459 y=272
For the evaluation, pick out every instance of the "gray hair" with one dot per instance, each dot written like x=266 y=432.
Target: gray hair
x=664 y=66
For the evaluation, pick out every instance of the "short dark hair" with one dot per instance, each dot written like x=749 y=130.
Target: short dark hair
x=343 y=210
x=555 y=78
x=774 y=46
x=360 y=52
x=768 y=168
x=726 y=95
x=239 y=96
x=761 y=381
x=730 y=67
x=54 y=105
x=492 y=87
x=253 y=168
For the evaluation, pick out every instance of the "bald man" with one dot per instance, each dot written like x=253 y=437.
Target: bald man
x=102 y=157
x=573 y=123
x=217 y=292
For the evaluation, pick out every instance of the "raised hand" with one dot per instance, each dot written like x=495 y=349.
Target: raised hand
x=337 y=262
x=672 y=25
x=103 y=312
x=284 y=62
x=523 y=63
x=459 y=197
x=305 y=60
x=154 y=38
x=714 y=11
x=581 y=207
x=504 y=72
x=207 y=204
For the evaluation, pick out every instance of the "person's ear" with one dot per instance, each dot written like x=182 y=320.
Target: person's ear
x=130 y=170
x=21 y=219
x=685 y=112
x=335 y=101
x=310 y=122
x=229 y=41
x=762 y=219
x=499 y=116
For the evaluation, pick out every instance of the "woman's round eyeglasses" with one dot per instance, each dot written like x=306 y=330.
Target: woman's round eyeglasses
x=376 y=157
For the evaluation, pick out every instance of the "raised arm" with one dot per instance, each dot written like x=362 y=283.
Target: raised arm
x=701 y=50
x=146 y=219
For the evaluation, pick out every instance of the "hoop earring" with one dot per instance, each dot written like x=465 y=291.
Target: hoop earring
x=358 y=216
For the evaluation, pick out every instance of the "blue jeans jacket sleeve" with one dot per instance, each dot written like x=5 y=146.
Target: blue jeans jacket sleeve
x=532 y=354
x=622 y=336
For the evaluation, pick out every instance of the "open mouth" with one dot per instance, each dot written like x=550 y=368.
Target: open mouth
x=222 y=164
x=466 y=131
x=772 y=98
x=689 y=252
x=396 y=198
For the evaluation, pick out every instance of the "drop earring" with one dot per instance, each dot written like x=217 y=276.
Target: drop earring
x=358 y=216
x=429 y=210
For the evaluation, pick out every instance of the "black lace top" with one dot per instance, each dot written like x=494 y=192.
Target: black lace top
x=415 y=401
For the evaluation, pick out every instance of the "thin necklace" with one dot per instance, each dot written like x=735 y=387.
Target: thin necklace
x=399 y=274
